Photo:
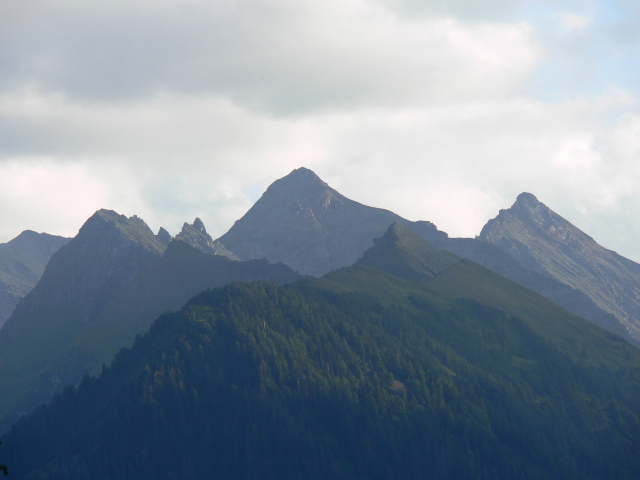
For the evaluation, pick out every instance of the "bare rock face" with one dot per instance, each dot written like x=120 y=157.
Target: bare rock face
x=196 y=236
x=22 y=263
x=163 y=236
x=304 y=223
x=548 y=244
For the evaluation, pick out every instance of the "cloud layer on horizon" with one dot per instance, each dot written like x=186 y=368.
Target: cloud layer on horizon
x=181 y=108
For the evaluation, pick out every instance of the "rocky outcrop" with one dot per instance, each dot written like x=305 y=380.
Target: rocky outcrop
x=196 y=236
x=163 y=236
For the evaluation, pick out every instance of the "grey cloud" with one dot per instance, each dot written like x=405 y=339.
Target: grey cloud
x=167 y=109
x=480 y=10
x=279 y=57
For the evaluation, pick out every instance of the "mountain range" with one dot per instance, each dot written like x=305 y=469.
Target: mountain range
x=305 y=224
x=112 y=280
x=98 y=292
x=411 y=363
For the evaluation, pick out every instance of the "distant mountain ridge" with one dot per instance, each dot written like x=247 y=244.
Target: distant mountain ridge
x=22 y=262
x=361 y=374
x=115 y=277
x=305 y=224
x=547 y=243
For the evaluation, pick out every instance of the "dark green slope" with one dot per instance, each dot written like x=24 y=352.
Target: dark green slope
x=101 y=290
x=402 y=253
x=165 y=285
x=36 y=353
x=360 y=375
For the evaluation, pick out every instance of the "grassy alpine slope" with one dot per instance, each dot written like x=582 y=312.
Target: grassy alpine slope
x=358 y=375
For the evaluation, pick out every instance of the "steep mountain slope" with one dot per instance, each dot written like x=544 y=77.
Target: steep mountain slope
x=104 y=288
x=36 y=354
x=305 y=224
x=501 y=262
x=402 y=253
x=359 y=375
x=545 y=242
x=22 y=262
x=166 y=284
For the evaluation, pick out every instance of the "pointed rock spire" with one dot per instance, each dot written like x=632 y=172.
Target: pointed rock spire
x=198 y=225
x=163 y=236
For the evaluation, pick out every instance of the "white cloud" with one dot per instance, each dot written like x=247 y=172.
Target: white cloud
x=442 y=111
x=45 y=196
x=573 y=22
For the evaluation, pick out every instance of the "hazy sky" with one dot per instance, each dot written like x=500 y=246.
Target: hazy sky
x=437 y=110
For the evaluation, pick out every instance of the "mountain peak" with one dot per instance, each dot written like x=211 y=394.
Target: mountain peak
x=301 y=182
x=132 y=230
x=527 y=199
x=198 y=225
x=304 y=223
x=163 y=236
x=530 y=214
x=303 y=173
x=325 y=230
x=402 y=253
x=547 y=243
x=196 y=236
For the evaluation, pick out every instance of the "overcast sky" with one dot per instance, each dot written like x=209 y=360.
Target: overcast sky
x=437 y=110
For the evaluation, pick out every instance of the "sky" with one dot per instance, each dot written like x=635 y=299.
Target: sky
x=436 y=110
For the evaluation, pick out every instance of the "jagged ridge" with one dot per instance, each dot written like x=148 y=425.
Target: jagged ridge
x=547 y=243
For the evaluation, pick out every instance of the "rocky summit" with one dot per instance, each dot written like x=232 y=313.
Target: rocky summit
x=547 y=243
x=196 y=235
x=305 y=224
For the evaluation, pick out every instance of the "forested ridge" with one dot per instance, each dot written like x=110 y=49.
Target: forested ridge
x=258 y=381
